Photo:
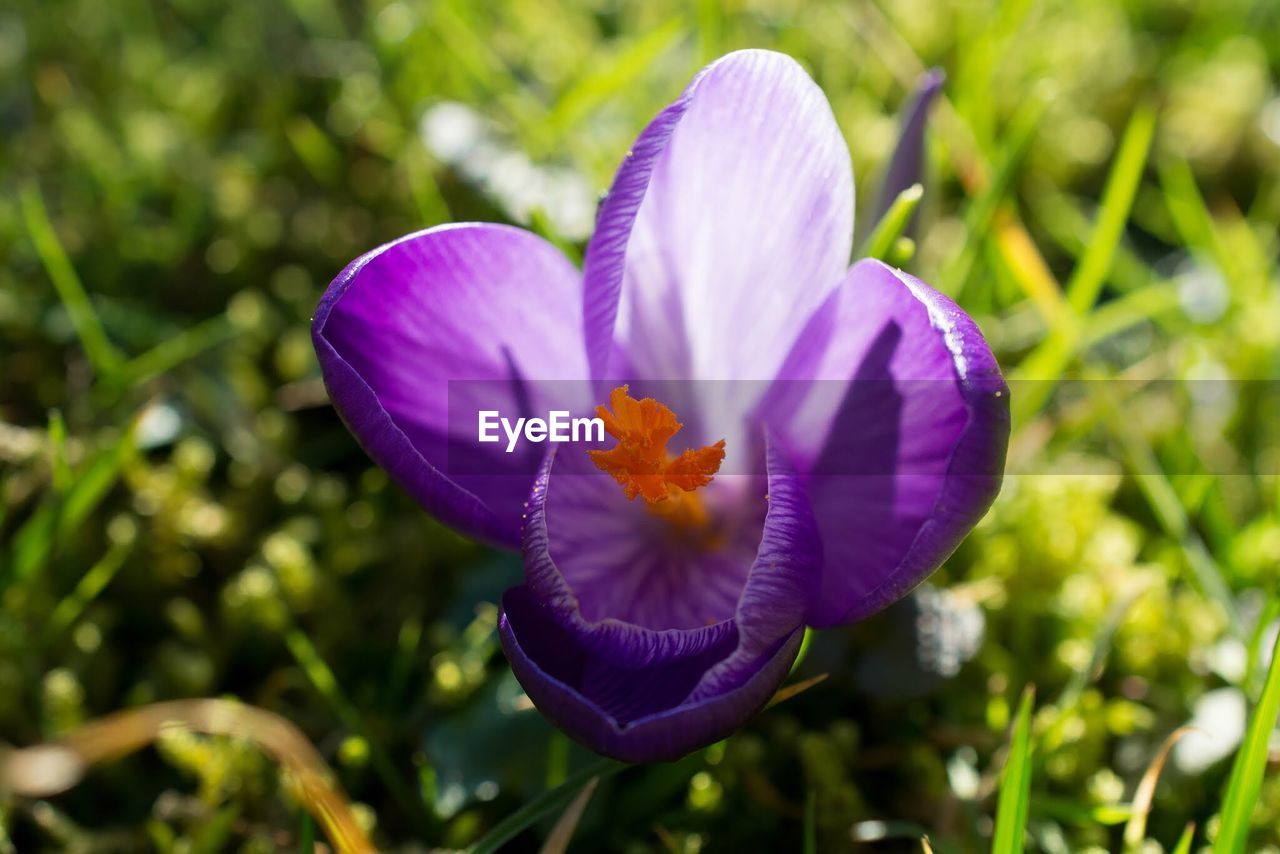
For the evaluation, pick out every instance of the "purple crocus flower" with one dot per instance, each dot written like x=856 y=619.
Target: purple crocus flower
x=861 y=417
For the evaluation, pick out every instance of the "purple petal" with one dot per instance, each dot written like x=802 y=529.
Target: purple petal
x=900 y=420
x=623 y=563
x=905 y=166
x=556 y=674
x=417 y=335
x=641 y=694
x=728 y=223
x=783 y=580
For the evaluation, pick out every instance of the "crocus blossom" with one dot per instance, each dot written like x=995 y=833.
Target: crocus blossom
x=792 y=441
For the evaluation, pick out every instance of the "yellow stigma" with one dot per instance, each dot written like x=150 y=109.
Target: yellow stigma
x=641 y=464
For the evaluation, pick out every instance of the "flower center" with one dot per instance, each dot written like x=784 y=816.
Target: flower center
x=641 y=464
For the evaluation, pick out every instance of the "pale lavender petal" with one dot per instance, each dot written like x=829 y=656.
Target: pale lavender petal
x=625 y=563
x=728 y=223
x=487 y=314
x=896 y=411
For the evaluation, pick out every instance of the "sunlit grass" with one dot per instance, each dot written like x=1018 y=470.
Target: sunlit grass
x=183 y=179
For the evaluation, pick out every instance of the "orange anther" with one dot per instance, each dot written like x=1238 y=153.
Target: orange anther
x=640 y=462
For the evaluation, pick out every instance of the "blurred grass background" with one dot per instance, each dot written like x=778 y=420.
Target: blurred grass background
x=182 y=514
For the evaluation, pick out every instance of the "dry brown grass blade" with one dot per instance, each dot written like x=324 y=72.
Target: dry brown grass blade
x=1136 y=828
x=47 y=769
x=790 y=691
x=558 y=840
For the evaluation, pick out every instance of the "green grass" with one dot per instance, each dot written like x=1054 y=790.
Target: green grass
x=1015 y=783
x=70 y=290
x=182 y=514
x=1250 y=764
x=892 y=225
x=548 y=804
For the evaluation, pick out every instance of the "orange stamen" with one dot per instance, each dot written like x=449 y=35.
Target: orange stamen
x=641 y=464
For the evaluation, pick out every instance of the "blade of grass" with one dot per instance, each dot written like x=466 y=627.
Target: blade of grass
x=548 y=802
x=86 y=590
x=1091 y=272
x=314 y=148
x=1250 y=765
x=1252 y=674
x=1151 y=302
x=612 y=75
x=39 y=537
x=982 y=211
x=306 y=834
x=58 y=465
x=557 y=759
x=465 y=40
x=1028 y=269
x=322 y=678
x=70 y=290
x=1164 y=502
x=414 y=164
x=893 y=224
x=560 y=836
x=1015 y=783
x=1051 y=357
x=789 y=691
x=1191 y=216
x=1184 y=842
x=1136 y=828
x=1065 y=222
x=805 y=643
x=1104 y=637
x=1080 y=815
x=175 y=351
x=48 y=769
x=1223 y=235
x=408 y=641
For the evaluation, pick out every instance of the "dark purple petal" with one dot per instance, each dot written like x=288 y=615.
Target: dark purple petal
x=558 y=675
x=905 y=166
x=899 y=417
x=729 y=221
x=606 y=252
x=483 y=313
x=641 y=694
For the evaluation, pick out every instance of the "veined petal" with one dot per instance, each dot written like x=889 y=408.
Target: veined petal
x=607 y=569
x=783 y=580
x=728 y=223
x=642 y=694
x=553 y=670
x=895 y=409
x=487 y=315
